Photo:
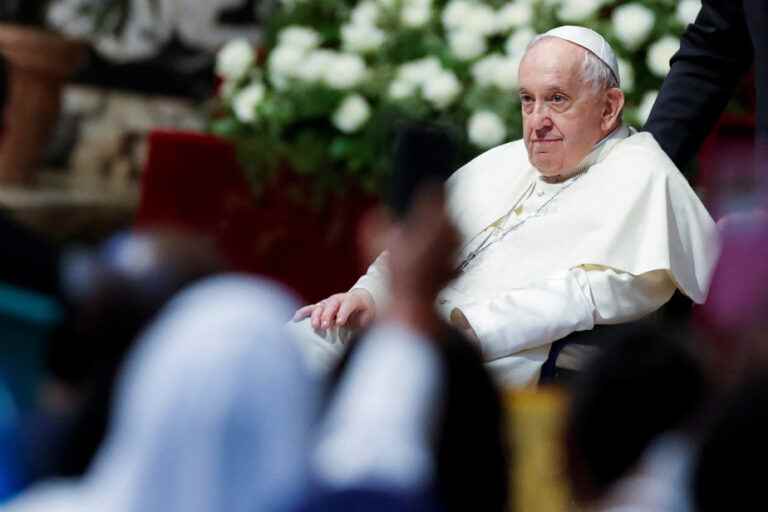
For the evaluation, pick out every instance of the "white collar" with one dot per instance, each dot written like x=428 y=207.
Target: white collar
x=597 y=154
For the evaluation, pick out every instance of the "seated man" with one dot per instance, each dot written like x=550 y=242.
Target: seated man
x=582 y=222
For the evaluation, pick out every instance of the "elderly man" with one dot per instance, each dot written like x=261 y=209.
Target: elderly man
x=582 y=222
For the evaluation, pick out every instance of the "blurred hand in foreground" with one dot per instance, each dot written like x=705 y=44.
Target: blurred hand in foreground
x=422 y=260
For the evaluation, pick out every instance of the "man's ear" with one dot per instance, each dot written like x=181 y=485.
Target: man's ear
x=373 y=232
x=612 y=108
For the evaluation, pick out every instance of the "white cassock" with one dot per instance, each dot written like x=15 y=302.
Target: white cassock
x=609 y=245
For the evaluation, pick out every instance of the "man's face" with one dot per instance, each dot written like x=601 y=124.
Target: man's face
x=561 y=112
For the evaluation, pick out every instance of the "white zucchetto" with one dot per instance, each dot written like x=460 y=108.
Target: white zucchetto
x=590 y=40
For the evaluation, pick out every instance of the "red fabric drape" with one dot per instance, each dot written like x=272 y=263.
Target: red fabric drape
x=194 y=182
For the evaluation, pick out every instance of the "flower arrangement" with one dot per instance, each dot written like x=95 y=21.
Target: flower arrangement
x=334 y=76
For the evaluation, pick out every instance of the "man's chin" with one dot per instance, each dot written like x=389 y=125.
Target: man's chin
x=546 y=168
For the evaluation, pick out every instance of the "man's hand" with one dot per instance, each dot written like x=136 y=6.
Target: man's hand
x=354 y=309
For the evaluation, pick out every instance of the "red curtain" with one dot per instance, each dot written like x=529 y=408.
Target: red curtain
x=194 y=182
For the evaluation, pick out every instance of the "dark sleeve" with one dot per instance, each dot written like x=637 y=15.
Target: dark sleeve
x=715 y=53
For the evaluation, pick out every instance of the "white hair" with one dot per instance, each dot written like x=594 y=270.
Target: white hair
x=593 y=70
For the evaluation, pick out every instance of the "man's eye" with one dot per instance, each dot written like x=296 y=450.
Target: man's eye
x=525 y=99
x=558 y=98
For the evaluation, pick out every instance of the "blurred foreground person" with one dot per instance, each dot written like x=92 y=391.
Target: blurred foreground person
x=629 y=431
x=735 y=318
x=415 y=421
x=726 y=473
x=27 y=261
x=113 y=293
x=582 y=222
x=213 y=413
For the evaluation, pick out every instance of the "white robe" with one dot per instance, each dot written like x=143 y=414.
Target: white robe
x=609 y=246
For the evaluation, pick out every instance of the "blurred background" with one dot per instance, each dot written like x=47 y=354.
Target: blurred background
x=259 y=129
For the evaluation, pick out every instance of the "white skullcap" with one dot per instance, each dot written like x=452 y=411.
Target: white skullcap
x=590 y=40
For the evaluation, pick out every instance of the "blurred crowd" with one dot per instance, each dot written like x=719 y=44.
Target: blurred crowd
x=170 y=384
x=167 y=382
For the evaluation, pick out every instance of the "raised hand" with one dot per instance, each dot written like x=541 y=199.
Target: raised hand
x=422 y=260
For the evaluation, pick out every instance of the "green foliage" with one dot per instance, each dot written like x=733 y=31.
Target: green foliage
x=338 y=132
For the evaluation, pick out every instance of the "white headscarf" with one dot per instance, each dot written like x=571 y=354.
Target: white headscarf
x=213 y=411
x=380 y=425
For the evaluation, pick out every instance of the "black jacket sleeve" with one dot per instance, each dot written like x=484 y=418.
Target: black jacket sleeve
x=715 y=53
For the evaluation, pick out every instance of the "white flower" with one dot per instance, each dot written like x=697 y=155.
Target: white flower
x=454 y=14
x=518 y=42
x=400 y=89
x=299 y=37
x=247 y=100
x=418 y=71
x=315 y=65
x=361 y=37
x=416 y=13
x=366 y=13
x=506 y=74
x=285 y=61
x=484 y=70
x=498 y=70
x=441 y=90
x=480 y=19
x=513 y=15
x=466 y=45
x=644 y=110
x=234 y=60
x=486 y=129
x=228 y=89
x=352 y=114
x=659 y=54
x=687 y=10
x=577 y=10
x=632 y=23
x=627 y=75
x=345 y=71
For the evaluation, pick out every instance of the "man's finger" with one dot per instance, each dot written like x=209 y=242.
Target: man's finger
x=303 y=313
x=329 y=313
x=347 y=308
x=316 y=315
x=365 y=318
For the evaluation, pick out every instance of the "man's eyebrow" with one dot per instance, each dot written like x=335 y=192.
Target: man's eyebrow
x=555 y=88
x=549 y=90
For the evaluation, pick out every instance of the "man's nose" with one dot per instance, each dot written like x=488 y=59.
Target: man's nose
x=540 y=122
x=540 y=119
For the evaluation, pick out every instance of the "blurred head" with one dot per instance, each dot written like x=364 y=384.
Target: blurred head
x=735 y=317
x=213 y=410
x=724 y=474
x=570 y=101
x=114 y=291
x=415 y=404
x=642 y=384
